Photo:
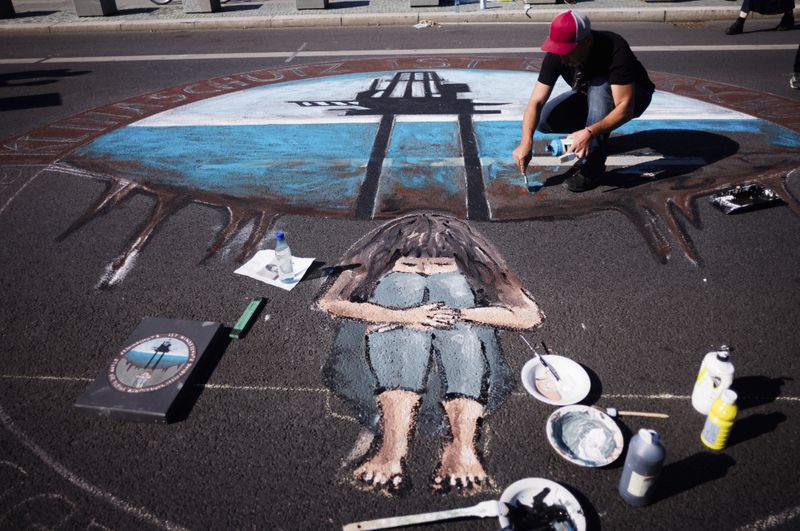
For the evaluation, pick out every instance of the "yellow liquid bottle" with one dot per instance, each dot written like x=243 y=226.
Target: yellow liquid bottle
x=720 y=421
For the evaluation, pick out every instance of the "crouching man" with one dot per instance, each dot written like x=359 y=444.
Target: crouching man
x=609 y=87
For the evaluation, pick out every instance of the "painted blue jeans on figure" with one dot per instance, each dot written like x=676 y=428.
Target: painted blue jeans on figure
x=574 y=110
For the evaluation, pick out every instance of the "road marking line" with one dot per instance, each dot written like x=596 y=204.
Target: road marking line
x=300 y=49
x=322 y=390
x=773 y=520
x=20 y=189
x=22 y=61
x=372 y=53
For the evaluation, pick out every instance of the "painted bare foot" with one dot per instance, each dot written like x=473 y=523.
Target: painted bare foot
x=380 y=472
x=460 y=470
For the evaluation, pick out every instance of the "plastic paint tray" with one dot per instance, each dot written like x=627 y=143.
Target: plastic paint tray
x=745 y=198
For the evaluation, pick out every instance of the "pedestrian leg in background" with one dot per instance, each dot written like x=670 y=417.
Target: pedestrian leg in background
x=794 y=81
x=764 y=7
x=787 y=21
x=738 y=25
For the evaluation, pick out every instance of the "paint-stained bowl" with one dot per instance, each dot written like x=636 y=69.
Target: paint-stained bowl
x=585 y=436
x=572 y=387
x=534 y=491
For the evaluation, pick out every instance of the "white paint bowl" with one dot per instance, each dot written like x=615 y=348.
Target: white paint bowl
x=573 y=386
x=585 y=436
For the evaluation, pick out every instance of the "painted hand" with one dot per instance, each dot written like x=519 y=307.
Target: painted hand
x=434 y=315
x=580 y=142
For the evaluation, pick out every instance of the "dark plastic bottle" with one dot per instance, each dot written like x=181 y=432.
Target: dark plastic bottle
x=642 y=468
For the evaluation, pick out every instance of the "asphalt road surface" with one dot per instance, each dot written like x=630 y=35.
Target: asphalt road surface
x=263 y=441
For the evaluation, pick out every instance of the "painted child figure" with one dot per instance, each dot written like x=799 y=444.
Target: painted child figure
x=430 y=293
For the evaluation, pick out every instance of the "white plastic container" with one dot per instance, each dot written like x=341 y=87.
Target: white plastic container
x=715 y=376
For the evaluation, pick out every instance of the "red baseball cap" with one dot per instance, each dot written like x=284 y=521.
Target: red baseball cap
x=566 y=31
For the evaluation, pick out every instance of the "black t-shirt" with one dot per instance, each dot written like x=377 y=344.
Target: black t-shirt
x=609 y=56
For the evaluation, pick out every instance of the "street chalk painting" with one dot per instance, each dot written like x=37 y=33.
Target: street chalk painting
x=419 y=306
x=378 y=138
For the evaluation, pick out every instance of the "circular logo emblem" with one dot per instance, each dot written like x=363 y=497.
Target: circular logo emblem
x=152 y=363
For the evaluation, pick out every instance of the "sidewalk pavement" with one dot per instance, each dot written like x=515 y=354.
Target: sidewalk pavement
x=45 y=16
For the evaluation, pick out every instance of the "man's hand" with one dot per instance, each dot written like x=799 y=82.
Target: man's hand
x=580 y=142
x=522 y=156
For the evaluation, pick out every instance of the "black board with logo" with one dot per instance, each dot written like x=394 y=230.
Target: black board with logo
x=147 y=378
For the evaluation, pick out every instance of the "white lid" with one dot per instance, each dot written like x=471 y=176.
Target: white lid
x=729 y=396
x=649 y=436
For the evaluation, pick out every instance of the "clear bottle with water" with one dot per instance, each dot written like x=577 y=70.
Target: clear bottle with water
x=283 y=258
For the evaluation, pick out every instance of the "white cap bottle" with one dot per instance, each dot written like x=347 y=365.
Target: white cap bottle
x=715 y=376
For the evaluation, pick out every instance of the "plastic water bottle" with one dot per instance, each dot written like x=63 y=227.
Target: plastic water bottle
x=720 y=421
x=642 y=468
x=283 y=258
x=716 y=375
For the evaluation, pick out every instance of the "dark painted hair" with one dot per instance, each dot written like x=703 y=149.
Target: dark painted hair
x=431 y=235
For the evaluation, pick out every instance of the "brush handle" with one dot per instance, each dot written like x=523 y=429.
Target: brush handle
x=643 y=414
x=485 y=509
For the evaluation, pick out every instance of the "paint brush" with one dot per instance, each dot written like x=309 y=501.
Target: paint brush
x=532 y=186
x=541 y=360
x=614 y=412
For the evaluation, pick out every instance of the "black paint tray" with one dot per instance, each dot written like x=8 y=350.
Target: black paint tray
x=745 y=198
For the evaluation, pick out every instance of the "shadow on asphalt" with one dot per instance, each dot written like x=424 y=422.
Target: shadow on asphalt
x=671 y=144
x=38 y=77
x=26 y=14
x=137 y=11
x=596 y=390
x=52 y=99
x=768 y=30
x=697 y=148
x=692 y=472
x=244 y=7
x=344 y=5
x=754 y=426
x=758 y=390
x=589 y=512
x=195 y=385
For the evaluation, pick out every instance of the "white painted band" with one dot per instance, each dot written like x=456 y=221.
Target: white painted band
x=373 y=53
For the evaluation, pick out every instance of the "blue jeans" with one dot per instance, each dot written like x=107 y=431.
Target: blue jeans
x=573 y=110
x=401 y=359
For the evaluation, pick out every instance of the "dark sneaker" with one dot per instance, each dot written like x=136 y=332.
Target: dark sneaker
x=786 y=23
x=581 y=181
x=736 y=28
